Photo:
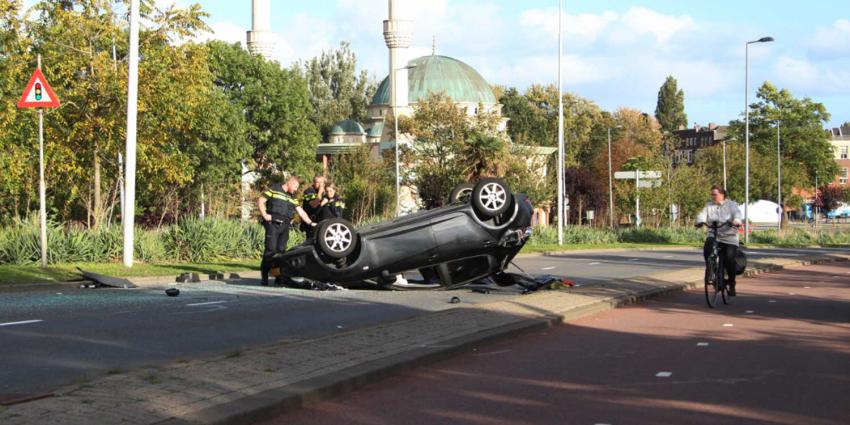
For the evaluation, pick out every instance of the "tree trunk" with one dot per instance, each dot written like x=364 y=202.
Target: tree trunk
x=98 y=202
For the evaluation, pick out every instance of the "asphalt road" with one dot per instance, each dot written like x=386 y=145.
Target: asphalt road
x=52 y=338
x=779 y=355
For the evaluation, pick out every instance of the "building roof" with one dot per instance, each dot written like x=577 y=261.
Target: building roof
x=377 y=129
x=348 y=126
x=441 y=74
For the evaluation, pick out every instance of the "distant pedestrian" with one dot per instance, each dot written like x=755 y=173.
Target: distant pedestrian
x=277 y=208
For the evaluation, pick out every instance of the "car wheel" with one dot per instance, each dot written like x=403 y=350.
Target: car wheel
x=336 y=238
x=461 y=193
x=491 y=197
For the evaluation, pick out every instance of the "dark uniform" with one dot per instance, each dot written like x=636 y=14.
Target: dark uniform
x=333 y=208
x=281 y=206
x=310 y=194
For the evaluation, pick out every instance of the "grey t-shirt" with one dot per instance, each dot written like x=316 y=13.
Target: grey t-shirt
x=722 y=213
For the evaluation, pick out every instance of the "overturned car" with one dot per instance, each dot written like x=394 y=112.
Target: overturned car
x=475 y=236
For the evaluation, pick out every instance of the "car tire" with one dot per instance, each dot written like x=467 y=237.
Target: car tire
x=491 y=197
x=336 y=238
x=461 y=193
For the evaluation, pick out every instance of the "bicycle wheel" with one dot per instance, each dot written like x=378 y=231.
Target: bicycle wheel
x=722 y=288
x=711 y=293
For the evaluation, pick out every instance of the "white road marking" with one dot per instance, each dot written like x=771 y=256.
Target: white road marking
x=668 y=256
x=807 y=287
x=702 y=344
x=771 y=301
x=728 y=325
x=792 y=293
x=663 y=374
x=592 y=264
x=548 y=268
x=750 y=311
x=24 y=322
x=206 y=303
x=634 y=259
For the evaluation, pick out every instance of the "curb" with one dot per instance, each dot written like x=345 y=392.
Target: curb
x=272 y=403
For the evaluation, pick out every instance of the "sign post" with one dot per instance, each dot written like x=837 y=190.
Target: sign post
x=38 y=94
x=642 y=179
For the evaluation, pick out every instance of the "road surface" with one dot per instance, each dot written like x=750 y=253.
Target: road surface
x=52 y=338
x=779 y=354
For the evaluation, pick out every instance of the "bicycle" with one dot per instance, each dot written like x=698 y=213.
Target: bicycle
x=715 y=288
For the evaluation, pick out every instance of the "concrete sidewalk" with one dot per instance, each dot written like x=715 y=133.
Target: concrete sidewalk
x=251 y=385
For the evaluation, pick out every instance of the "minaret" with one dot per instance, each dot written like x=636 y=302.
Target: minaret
x=260 y=37
x=397 y=33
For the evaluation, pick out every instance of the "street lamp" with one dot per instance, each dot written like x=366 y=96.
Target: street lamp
x=395 y=136
x=610 y=182
x=747 y=134
x=779 y=172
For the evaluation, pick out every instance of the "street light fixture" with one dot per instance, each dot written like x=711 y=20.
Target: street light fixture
x=747 y=133
x=395 y=137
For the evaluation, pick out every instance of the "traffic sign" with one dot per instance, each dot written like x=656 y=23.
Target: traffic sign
x=38 y=93
x=649 y=183
x=624 y=175
x=644 y=175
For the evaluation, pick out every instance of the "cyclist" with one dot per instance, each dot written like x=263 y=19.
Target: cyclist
x=722 y=210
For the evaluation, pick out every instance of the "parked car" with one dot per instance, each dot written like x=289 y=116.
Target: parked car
x=476 y=235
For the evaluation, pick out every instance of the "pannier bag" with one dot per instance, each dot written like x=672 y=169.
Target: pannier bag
x=740 y=261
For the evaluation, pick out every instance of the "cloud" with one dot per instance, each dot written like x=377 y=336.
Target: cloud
x=830 y=41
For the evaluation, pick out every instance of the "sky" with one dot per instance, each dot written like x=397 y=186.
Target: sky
x=616 y=53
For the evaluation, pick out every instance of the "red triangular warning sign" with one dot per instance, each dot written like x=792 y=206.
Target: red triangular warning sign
x=38 y=93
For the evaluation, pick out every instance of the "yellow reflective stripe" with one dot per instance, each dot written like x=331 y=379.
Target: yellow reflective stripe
x=310 y=196
x=340 y=204
x=282 y=196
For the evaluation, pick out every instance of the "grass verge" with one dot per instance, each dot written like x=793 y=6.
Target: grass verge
x=18 y=274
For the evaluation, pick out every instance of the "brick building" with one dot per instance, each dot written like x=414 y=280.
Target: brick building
x=841 y=149
x=693 y=139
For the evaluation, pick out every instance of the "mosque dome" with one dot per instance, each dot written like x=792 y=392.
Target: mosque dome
x=441 y=74
x=348 y=126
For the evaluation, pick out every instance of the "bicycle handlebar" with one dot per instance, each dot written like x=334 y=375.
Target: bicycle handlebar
x=717 y=226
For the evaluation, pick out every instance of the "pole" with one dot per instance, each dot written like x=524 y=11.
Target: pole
x=132 y=109
x=397 y=175
x=610 y=185
x=817 y=199
x=747 y=143
x=42 y=195
x=637 y=198
x=724 y=165
x=561 y=214
x=779 y=176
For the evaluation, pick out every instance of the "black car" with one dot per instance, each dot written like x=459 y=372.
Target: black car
x=474 y=236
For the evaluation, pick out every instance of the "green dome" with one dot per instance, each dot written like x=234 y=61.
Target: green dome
x=440 y=74
x=347 y=127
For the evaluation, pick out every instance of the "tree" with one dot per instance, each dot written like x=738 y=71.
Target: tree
x=670 y=108
x=337 y=92
x=584 y=193
x=367 y=185
x=805 y=143
x=276 y=107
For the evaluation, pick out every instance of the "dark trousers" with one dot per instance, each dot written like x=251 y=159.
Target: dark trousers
x=726 y=254
x=277 y=236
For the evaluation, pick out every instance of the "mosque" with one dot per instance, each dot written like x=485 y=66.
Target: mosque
x=409 y=82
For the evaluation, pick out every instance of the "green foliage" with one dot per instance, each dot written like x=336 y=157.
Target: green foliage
x=191 y=240
x=805 y=143
x=670 y=109
x=366 y=184
x=337 y=92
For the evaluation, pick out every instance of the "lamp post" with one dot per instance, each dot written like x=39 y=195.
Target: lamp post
x=724 y=165
x=395 y=137
x=561 y=214
x=747 y=134
x=779 y=173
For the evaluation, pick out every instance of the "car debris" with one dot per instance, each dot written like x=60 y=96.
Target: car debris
x=103 y=280
x=172 y=292
x=454 y=300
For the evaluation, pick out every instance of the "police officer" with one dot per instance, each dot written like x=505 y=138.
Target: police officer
x=311 y=202
x=332 y=204
x=277 y=208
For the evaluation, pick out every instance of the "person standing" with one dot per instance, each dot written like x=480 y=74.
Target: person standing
x=332 y=204
x=311 y=202
x=277 y=208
